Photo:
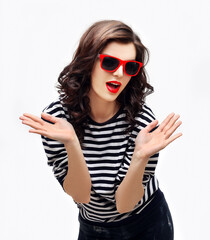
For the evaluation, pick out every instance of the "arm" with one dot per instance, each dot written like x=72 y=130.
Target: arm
x=77 y=182
x=131 y=190
x=147 y=143
x=61 y=145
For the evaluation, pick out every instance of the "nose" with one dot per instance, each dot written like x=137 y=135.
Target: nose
x=119 y=71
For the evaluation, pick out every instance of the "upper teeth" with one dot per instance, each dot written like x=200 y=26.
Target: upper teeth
x=115 y=84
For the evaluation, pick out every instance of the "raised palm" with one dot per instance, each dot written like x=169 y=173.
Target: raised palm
x=60 y=130
x=147 y=144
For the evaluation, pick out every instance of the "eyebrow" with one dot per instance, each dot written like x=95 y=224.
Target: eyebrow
x=117 y=57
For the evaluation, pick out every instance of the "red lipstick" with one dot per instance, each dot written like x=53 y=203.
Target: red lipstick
x=113 y=86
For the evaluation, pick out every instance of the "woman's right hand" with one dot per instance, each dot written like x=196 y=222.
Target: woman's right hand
x=61 y=130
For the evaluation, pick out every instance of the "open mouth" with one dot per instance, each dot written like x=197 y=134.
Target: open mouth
x=112 y=87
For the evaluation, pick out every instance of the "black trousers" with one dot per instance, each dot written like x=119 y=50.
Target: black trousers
x=154 y=222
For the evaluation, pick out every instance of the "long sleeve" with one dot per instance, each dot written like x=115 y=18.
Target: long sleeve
x=150 y=186
x=55 y=150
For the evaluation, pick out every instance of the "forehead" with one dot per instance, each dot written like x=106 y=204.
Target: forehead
x=124 y=51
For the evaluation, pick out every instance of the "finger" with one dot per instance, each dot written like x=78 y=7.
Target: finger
x=24 y=118
x=43 y=133
x=32 y=124
x=171 y=123
x=151 y=125
x=171 y=139
x=165 y=122
x=173 y=129
x=34 y=118
x=49 y=117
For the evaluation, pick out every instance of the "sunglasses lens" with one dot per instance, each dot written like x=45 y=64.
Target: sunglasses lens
x=110 y=63
x=132 y=68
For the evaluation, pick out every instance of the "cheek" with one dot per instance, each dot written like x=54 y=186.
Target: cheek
x=127 y=80
x=97 y=73
x=99 y=77
x=97 y=80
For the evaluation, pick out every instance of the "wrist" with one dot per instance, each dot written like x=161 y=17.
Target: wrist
x=71 y=141
x=140 y=156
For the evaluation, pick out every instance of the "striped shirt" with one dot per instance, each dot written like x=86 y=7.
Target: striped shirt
x=108 y=153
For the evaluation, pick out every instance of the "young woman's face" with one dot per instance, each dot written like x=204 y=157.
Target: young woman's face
x=99 y=77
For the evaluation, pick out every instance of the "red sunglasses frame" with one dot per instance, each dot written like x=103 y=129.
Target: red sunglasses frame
x=121 y=62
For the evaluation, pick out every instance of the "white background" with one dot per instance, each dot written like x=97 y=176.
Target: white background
x=37 y=41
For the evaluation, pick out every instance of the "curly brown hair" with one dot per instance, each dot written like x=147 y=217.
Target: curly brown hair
x=74 y=81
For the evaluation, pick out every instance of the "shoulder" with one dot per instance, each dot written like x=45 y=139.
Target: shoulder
x=146 y=112
x=56 y=109
x=145 y=116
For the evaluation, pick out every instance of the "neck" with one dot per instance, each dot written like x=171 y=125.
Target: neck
x=101 y=112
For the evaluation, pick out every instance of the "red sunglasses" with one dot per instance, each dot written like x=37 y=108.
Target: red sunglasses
x=111 y=64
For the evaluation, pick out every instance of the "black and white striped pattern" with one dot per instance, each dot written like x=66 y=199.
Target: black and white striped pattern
x=108 y=153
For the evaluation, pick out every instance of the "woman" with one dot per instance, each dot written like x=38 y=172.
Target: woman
x=103 y=141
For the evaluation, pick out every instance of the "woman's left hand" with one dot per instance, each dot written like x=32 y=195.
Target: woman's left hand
x=147 y=144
